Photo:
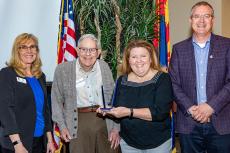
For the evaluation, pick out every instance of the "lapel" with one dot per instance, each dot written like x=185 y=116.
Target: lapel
x=210 y=55
x=73 y=71
x=73 y=80
x=191 y=56
x=41 y=81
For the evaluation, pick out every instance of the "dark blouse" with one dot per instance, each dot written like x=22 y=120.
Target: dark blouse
x=155 y=94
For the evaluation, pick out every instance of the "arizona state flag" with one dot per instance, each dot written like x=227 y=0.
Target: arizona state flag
x=161 y=31
x=162 y=42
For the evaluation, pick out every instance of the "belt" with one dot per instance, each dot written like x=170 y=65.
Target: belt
x=88 y=109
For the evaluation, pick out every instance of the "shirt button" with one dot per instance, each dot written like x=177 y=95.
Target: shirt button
x=75 y=127
x=75 y=119
x=73 y=135
x=75 y=110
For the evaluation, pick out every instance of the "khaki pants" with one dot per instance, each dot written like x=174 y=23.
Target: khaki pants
x=92 y=135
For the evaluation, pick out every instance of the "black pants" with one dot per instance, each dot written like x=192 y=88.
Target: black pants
x=204 y=139
x=38 y=146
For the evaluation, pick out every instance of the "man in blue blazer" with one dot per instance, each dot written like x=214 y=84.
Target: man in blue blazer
x=200 y=73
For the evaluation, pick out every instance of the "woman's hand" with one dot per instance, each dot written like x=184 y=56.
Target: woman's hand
x=50 y=147
x=19 y=148
x=50 y=144
x=119 y=112
x=114 y=138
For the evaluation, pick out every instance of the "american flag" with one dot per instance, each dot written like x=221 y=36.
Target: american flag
x=66 y=49
x=67 y=35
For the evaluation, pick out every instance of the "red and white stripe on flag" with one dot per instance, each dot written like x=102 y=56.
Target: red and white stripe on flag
x=66 y=48
x=67 y=35
x=57 y=138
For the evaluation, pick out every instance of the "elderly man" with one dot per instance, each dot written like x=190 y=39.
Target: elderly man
x=77 y=93
x=200 y=73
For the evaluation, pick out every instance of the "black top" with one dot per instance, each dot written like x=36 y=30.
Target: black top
x=155 y=94
x=18 y=109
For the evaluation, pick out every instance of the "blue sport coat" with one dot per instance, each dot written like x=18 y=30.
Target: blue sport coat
x=182 y=71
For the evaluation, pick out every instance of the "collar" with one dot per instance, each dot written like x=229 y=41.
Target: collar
x=78 y=65
x=199 y=44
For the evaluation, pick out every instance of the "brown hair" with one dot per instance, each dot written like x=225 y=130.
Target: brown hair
x=202 y=3
x=125 y=67
x=16 y=63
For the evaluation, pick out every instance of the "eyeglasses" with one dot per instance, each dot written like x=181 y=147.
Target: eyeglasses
x=25 y=48
x=204 y=16
x=88 y=50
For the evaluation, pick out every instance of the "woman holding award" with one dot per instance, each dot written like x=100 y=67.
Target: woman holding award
x=142 y=102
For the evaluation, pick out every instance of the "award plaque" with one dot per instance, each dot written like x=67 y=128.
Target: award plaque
x=106 y=109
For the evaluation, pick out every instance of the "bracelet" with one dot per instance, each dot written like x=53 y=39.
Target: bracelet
x=16 y=142
x=131 y=113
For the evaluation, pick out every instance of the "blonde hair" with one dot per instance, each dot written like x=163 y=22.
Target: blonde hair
x=16 y=63
x=125 y=67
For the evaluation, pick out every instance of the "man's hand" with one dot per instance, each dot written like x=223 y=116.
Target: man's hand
x=114 y=138
x=204 y=112
x=201 y=113
x=192 y=109
x=65 y=135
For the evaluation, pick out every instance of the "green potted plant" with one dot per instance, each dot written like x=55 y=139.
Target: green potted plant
x=115 y=23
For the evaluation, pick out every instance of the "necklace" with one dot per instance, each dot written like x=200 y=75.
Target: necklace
x=148 y=76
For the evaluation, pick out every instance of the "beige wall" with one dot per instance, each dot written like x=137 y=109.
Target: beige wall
x=179 y=12
x=226 y=18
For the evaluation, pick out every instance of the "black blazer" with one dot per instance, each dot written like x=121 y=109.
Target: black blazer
x=18 y=109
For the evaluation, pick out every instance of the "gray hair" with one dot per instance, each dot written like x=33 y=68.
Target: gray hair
x=202 y=3
x=90 y=36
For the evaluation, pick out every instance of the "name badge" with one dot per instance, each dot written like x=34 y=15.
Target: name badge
x=21 y=80
x=80 y=83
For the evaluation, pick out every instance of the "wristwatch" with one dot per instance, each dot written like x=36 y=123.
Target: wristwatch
x=16 y=142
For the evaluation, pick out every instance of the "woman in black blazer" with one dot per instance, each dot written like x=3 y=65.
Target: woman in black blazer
x=24 y=112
